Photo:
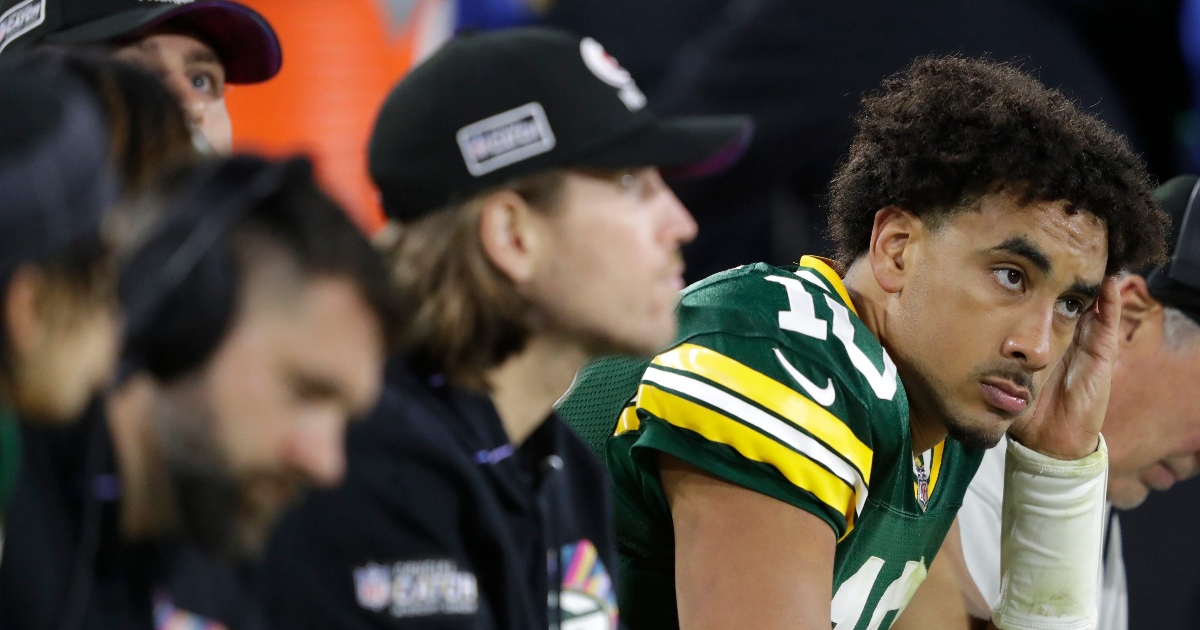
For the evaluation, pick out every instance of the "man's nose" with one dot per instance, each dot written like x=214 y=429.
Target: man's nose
x=681 y=226
x=317 y=449
x=1029 y=342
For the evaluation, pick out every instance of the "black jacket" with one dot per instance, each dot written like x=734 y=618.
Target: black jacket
x=64 y=556
x=442 y=524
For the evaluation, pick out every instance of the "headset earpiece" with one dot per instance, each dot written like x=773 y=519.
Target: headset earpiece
x=189 y=320
x=180 y=288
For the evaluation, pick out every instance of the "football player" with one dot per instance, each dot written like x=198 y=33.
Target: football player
x=1152 y=426
x=797 y=456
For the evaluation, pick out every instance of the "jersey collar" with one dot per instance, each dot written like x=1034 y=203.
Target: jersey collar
x=824 y=266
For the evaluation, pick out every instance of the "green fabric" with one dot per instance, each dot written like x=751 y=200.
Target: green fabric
x=593 y=402
x=738 y=314
x=10 y=457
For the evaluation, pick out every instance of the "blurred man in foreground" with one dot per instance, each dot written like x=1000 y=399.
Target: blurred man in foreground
x=1152 y=427
x=60 y=333
x=195 y=47
x=59 y=309
x=256 y=318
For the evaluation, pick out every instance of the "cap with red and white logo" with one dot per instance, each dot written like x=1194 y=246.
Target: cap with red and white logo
x=489 y=108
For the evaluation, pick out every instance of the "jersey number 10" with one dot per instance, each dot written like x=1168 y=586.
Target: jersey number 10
x=853 y=595
x=802 y=318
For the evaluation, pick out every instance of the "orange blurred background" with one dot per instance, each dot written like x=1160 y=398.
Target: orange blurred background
x=337 y=70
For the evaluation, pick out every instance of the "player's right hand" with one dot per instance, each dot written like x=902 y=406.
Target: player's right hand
x=1067 y=416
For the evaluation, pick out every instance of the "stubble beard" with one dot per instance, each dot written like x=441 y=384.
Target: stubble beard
x=972 y=437
x=207 y=496
x=919 y=385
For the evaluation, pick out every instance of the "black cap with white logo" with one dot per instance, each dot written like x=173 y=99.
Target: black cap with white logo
x=241 y=38
x=489 y=108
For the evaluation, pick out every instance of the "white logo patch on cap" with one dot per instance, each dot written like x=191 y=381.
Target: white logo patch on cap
x=21 y=19
x=606 y=68
x=505 y=139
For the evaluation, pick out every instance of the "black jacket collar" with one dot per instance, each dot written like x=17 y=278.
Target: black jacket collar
x=472 y=419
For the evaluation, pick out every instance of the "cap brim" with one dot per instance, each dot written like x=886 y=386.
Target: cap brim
x=243 y=39
x=1173 y=197
x=681 y=147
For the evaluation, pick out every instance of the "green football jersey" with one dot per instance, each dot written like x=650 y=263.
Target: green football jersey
x=776 y=385
x=10 y=461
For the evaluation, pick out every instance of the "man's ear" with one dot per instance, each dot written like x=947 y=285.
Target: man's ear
x=1140 y=312
x=506 y=229
x=24 y=301
x=894 y=240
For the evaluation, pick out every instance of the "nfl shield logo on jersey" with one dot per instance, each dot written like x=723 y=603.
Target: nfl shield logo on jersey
x=373 y=585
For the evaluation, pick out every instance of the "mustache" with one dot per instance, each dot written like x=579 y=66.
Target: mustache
x=1017 y=376
x=215 y=512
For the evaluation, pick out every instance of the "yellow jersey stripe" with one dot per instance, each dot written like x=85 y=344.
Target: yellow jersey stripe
x=936 y=466
x=823 y=267
x=780 y=399
x=751 y=444
x=730 y=406
x=628 y=420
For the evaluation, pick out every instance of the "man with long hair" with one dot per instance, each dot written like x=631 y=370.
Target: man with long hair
x=532 y=232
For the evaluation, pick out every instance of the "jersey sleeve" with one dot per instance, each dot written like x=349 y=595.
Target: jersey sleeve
x=758 y=414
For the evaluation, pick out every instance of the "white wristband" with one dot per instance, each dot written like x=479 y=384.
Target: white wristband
x=1052 y=532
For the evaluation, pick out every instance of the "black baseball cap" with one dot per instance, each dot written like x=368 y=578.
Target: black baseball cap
x=1177 y=283
x=242 y=39
x=54 y=168
x=489 y=108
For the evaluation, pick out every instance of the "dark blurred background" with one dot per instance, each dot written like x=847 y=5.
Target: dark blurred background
x=800 y=67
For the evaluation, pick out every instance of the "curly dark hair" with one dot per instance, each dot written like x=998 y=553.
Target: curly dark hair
x=948 y=130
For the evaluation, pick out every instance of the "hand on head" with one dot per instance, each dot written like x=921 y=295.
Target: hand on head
x=1069 y=411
